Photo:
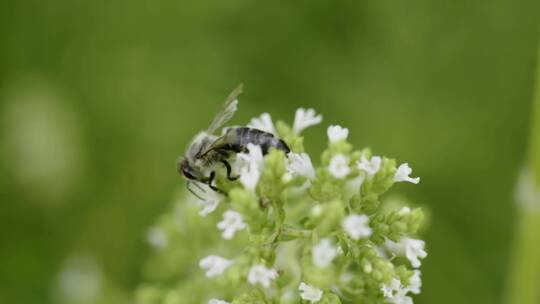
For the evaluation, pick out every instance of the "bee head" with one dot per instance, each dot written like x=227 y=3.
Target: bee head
x=185 y=169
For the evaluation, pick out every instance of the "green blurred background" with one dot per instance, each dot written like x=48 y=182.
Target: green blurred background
x=98 y=98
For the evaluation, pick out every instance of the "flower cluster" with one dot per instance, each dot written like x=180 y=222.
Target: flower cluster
x=289 y=232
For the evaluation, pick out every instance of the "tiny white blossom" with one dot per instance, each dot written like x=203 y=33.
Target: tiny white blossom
x=217 y=301
x=251 y=165
x=401 y=298
x=393 y=247
x=208 y=207
x=357 y=226
x=254 y=155
x=157 y=237
x=232 y=221
x=337 y=133
x=389 y=289
x=415 y=282
x=259 y=274
x=263 y=123
x=371 y=167
x=310 y=293
x=410 y=248
x=396 y=293
x=207 y=198
x=323 y=253
x=381 y=252
x=305 y=118
x=352 y=186
x=210 y=202
x=300 y=164
x=249 y=176
x=403 y=174
x=339 y=166
x=214 y=265
x=414 y=251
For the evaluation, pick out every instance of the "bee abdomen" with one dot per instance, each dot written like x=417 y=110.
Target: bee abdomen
x=245 y=136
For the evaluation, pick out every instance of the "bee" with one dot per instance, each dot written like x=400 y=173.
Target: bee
x=207 y=150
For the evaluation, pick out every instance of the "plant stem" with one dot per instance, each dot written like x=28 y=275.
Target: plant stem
x=294 y=233
x=524 y=279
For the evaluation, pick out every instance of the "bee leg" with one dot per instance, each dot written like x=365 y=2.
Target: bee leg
x=210 y=180
x=229 y=171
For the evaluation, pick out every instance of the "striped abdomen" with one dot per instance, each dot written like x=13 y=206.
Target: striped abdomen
x=239 y=138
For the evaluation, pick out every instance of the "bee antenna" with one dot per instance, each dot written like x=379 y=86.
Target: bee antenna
x=188 y=186
x=199 y=187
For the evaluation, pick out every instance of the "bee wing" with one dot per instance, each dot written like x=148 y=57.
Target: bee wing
x=217 y=144
x=227 y=111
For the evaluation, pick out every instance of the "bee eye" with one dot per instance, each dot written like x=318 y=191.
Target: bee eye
x=187 y=174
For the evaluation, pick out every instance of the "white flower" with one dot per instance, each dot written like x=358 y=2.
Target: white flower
x=232 y=221
x=217 y=301
x=259 y=274
x=210 y=202
x=249 y=176
x=410 y=248
x=402 y=174
x=214 y=265
x=254 y=155
x=357 y=226
x=352 y=186
x=300 y=164
x=157 y=237
x=323 y=253
x=389 y=289
x=396 y=249
x=305 y=118
x=310 y=293
x=339 y=166
x=371 y=167
x=263 y=123
x=396 y=293
x=414 y=249
x=251 y=165
x=208 y=207
x=208 y=199
x=415 y=282
x=337 y=133
x=401 y=298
